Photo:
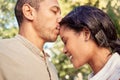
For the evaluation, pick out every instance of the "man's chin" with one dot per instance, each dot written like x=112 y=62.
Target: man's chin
x=53 y=39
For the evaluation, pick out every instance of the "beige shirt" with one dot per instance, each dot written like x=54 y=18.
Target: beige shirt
x=21 y=60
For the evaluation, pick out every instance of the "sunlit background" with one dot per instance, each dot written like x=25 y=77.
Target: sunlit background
x=9 y=28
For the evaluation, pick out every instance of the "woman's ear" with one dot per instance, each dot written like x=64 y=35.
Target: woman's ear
x=86 y=33
x=28 y=12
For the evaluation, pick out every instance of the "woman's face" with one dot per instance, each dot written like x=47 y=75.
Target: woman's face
x=76 y=47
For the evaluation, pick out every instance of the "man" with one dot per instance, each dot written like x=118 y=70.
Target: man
x=22 y=57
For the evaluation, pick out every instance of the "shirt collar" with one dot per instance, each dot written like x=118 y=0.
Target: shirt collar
x=30 y=46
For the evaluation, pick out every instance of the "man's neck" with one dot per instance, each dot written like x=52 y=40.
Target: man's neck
x=30 y=34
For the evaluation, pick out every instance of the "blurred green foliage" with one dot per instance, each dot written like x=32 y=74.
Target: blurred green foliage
x=8 y=28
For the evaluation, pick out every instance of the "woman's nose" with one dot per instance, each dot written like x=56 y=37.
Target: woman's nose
x=65 y=50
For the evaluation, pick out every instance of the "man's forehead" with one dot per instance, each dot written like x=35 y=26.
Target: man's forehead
x=51 y=2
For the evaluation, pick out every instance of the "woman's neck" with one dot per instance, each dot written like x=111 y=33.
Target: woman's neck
x=99 y=60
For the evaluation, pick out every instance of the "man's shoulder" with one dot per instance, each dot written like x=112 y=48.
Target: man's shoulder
x=6 y=42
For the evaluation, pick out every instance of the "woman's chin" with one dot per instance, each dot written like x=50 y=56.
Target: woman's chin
x=76 y=65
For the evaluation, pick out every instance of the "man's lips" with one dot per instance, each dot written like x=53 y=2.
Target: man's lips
x=58 y=27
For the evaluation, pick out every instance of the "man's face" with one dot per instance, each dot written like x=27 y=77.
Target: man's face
x=47 y=20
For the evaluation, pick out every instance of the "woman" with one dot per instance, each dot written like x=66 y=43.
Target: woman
x=90 y=37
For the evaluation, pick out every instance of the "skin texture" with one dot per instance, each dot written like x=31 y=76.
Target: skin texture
x=42 y=25
x=76 y=45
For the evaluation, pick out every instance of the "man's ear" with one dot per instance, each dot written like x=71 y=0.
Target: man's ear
x=87 y=34
x=28 y=12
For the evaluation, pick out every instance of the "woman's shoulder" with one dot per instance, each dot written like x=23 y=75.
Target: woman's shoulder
x=116 y=58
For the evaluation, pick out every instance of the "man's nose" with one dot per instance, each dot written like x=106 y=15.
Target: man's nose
x=59 y=18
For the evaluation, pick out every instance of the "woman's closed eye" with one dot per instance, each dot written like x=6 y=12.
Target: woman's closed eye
x=64 y=41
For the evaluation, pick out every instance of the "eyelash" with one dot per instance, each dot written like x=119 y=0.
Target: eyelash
x=55 y=12
x=65 y=42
